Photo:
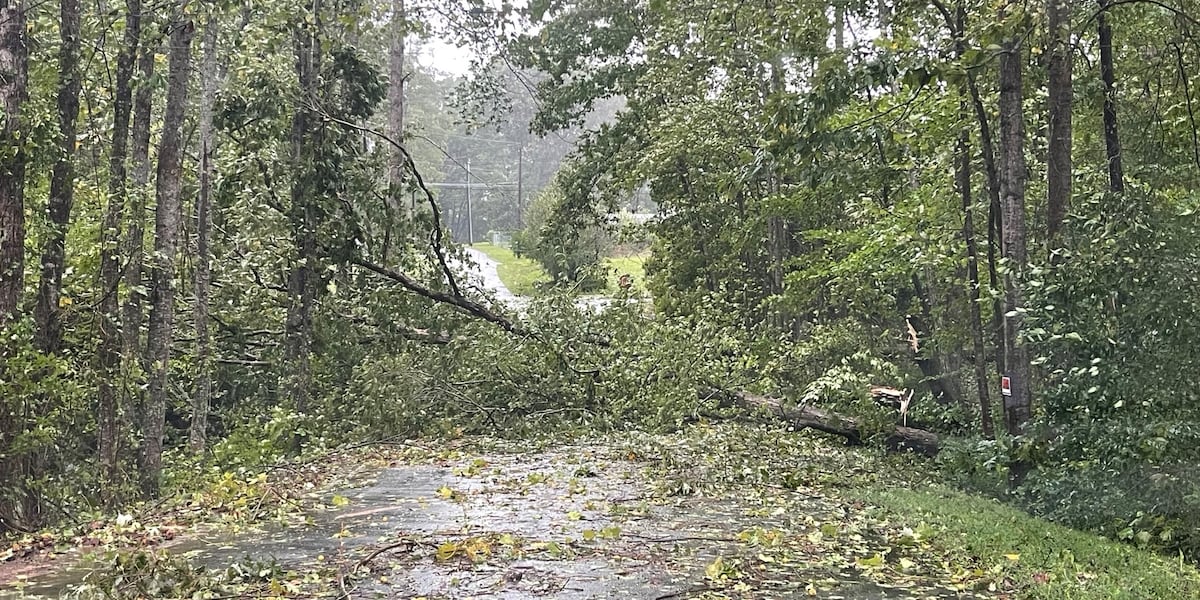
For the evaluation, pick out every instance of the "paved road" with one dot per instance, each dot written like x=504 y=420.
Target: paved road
x=483 y=276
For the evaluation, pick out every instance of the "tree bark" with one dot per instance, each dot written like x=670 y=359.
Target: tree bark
x=994 y=231
x=298 y=326
x=778 y=234
x=167 y=227
x=202 y=392
x=839 y=26
x=109 y=349
x=14 y=58
x=132 y=312
x=397 y=78
x=963 y=182
x=1013 y=181
x=969 y=94
x=1112 y=139
x=47 y=312
x=899 y=438
x=16 y=504
x=1059 y=162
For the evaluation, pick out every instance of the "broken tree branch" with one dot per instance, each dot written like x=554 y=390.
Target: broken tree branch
x=411 y=165
x=464 y=305
x=898 y=439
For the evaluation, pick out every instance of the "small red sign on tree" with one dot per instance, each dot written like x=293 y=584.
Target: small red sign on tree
x=1006 y=386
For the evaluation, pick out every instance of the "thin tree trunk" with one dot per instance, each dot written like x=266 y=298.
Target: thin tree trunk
x=14 y=59
x=969 y=93
x=397 y=78
x=167 y=227
x=136 y=365
x=1013 y=179
x=994 y=230
x=62 y=184
x=301 y=293
x=778 y=245
x=963 y=183
x=1112 y=140
x=1187 y=94
x=132 y=312
x=1058 y=158
x=202 y=393
x=109 y=350
x=839 y=26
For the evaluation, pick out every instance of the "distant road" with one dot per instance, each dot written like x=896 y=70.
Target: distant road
x=484 y=276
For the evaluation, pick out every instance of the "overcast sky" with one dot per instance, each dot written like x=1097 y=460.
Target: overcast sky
x=445 y=57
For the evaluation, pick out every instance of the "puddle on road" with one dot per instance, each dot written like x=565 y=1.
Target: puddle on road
x=574 y=523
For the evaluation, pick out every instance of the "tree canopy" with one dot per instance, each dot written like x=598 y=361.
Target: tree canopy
x=233 y=232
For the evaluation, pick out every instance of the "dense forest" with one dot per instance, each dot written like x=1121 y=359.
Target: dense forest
x=233 y=232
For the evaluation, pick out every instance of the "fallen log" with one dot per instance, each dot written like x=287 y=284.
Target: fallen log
x=899 y=439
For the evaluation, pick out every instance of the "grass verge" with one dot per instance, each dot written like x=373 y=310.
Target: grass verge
x=520 y=275
x=633 y=265
x=1037 y=558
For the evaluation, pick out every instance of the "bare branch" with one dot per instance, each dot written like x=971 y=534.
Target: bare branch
x=464 y=305
x=436 y=234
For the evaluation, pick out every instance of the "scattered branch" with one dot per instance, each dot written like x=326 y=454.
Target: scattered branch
x=410 y=163
x=464 y=305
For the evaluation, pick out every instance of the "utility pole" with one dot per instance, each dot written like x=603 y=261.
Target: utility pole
x=520 y=187
x=470 y=215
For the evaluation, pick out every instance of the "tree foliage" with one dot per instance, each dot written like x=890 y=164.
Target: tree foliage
x=928 y=195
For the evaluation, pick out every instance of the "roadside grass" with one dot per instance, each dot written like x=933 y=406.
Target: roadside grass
x=1040 y=559
x=897 y=524
x=523 y=276
x=520 y=275
x=633 y=265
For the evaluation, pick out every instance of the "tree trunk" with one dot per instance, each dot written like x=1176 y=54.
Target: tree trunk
x=132 y=313
x=920 y=328
x=1013 y=181
x=899 y=438
x=109 y=350
x=397 y=78
x=963 y=183
x=167 y=226
x=62 y=184
x=968 y=93
x=777 y=246
x=15 y=503
x=1187 y=96
x=202 y=393
x=839 y=26
x=301 y=289
x=778 y=234
x=988 y=153
x=1058 y=157
x=1112 y=140
x=14 y=57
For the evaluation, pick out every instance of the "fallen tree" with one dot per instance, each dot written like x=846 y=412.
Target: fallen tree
x=900 y=438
